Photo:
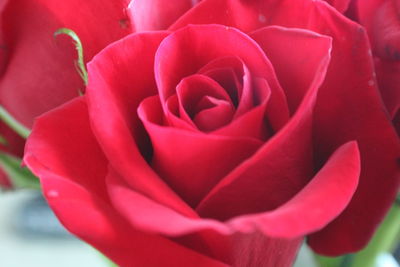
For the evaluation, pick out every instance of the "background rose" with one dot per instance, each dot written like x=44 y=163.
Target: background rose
x=381 y=19
x=113 y=198
x=38 y=71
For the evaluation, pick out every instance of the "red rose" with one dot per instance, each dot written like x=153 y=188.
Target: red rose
x=381 y=19
x=215 y=145
x=38 y=71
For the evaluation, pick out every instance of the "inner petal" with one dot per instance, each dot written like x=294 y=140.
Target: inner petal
x=213 y=113
x=233 y=74
x=199 y=97
x=228 y=72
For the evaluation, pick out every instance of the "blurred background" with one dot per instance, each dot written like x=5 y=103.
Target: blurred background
x=30 y=235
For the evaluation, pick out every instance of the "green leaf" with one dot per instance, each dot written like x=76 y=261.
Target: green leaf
x=80 y=64
x=20 y=177
x=8 y=119
x=343 y=261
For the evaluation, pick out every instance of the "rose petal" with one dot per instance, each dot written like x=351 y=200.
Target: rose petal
x=234 y=248
x=191 y=163
x=186 y=51
x=227 y=72
x=73 y=186
x=40 y=70
x=150 y=15
x=113 y=97
x=296 y=56
x=381 y=19
x=217 y=114
x=175 y=116
x=340 y=5
x=192 y=89
x=252 y=123
x=334 y=185
x=277 y=171
x=348 y=107
x=388 y=75
x=279 y=157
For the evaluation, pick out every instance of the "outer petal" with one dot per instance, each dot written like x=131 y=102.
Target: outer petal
x=150 y=15
x=334 y=185
x=296 y=56
x=234 y=248
x=73 y=183
x=113 y=97
x=278 y=230
x=40 y=73
x=348 y=107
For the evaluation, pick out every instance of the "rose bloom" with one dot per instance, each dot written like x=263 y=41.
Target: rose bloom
x=222 y=136
x=381 y=20
x=37 y=70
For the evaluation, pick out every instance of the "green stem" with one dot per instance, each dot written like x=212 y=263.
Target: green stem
x=13 y=123
x=327 y=261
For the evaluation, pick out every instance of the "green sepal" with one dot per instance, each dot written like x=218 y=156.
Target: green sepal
x=80 y=63
x=20 y=177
